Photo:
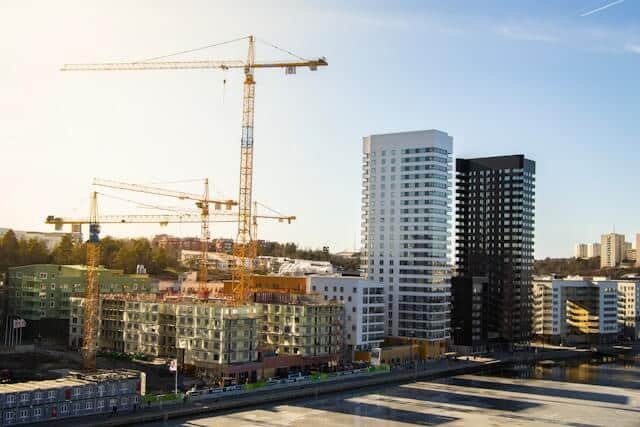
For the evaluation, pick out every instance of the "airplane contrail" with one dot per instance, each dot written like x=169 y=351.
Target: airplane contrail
x=601 y=8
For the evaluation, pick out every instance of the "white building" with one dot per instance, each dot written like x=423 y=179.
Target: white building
x=612 y=251
x=575 y=309
x=581 y=251
x=363 y=307
x=215 y=260
x=301 y=267
x=51 y=239
x=629 y=308
x=406 y=216
x=593 y=250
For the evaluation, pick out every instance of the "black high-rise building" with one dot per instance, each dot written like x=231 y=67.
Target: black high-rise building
x=494 y=230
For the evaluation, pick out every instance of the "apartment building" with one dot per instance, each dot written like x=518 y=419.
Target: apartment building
x=593 y=250
x=629 y=308
x=214 y=339
x=575 y=310
x=41 y=294
x=364 y=309
x=406 y=218
x=637 y=249
x=495 y=238
x=300 y=325
x=581 y=251
x=77 y=394
x=612 y=250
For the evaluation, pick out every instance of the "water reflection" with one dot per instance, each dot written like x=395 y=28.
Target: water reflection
x=607 y=371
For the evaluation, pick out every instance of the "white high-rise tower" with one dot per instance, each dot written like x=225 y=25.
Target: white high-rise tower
x=406 y=218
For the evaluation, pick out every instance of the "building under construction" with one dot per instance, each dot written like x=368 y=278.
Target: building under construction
x=76 y=394
x=281 y=328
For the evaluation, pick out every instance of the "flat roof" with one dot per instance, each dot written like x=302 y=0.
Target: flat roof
x=70 y=380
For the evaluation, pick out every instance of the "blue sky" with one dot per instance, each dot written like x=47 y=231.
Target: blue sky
x=501 y=77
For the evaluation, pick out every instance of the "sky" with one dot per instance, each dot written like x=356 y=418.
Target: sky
x=556 y=81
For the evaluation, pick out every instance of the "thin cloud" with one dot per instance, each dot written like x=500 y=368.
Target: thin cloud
x=633 y=48
x=601 y=8
x=522 y=33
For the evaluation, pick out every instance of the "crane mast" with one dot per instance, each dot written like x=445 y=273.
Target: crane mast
x=242 y=247
x=92 y=289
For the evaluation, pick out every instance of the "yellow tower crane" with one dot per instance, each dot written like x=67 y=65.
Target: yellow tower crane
x=243 y=246
x=202 y=202
x=92 y=286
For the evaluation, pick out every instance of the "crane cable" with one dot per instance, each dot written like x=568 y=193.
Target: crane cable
x=192 y=50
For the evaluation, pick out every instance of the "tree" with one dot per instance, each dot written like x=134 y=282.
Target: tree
x=33 y=251
x=63 y=253
x=9 y=251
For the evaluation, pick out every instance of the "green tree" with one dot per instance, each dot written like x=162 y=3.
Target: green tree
x=63 y=253
x=9 y=251
x=33 y=251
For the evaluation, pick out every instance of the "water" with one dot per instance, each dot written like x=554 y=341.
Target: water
x=606 y=371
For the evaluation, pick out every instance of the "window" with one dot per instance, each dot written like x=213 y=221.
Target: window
x=9 y=415
x=43 y=275
x=24 y=413
x=11 y=398
x=24 y=397
x=100 y=404
x=37 y=412
x=88 y=405
x=51 y=394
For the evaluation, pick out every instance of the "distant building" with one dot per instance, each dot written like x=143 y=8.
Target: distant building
x=51 y=239
x=363 y=307
x=298 y=267
x=631 y=255
x=575 y=310
x=637 y=249
x=612 y=250
x=581 y=251
x=593 y=250
x=495 y=238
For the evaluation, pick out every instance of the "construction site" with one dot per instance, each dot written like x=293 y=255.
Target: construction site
x=245 y=329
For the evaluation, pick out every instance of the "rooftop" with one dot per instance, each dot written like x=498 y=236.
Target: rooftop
x=72 y=379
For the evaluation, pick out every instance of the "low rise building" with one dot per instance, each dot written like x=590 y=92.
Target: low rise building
x=364 y=310
x=51 y=239
x=301 y=267
x=575 y=310
x=281 y=327
x=77 y=394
